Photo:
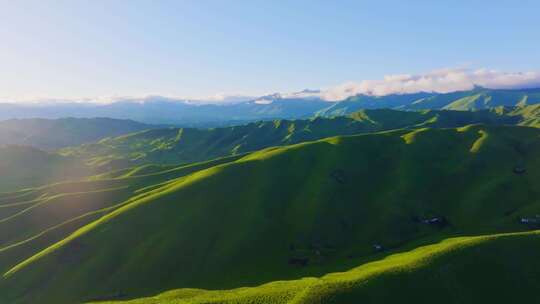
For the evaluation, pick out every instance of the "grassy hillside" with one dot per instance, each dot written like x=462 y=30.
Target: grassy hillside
x=529 y=115
x=51 y=134
x=261 y=217
x=484 y=269
x=183 y=145
x=22 y=166
x=485 y=99
x=34 y=216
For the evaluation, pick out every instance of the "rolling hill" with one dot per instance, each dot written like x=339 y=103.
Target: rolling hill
x=52 y=134
x=175 y=146
x=457 y=270
x=528 y=115
x=184 y=145
x=285 y=213
x=23 y=166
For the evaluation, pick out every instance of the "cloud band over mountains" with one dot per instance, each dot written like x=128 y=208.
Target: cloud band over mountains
x=439 y=81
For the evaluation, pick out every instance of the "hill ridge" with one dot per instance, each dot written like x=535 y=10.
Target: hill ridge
x=324 y=288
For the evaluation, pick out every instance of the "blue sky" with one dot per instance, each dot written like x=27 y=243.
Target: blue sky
x=69 y=49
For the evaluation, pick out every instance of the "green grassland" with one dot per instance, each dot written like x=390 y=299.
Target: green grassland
x=240 y=221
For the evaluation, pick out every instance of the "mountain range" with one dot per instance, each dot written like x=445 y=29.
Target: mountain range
x=34 y=151
x=185 y=145
x=347 y=205
x=161 y=110
x=52 y=134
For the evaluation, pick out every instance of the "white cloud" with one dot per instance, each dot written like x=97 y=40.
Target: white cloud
x=305 y=94
x=225 y=98
x=104 y=100
x=441 y=81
